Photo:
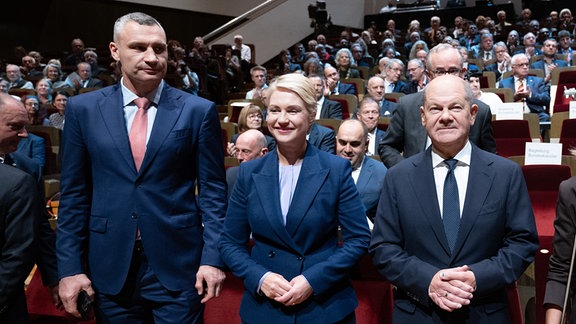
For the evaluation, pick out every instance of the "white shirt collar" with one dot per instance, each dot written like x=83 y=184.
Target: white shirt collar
x=463 y=156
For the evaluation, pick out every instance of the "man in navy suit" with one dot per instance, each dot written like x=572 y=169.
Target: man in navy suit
x=334 y=84
x=406 y=136
x=325 y=108
x=454 y=224
x=376 y=90
x=549 y=62
x=368 y=174
x=369 y=115
x=322 y=138
x=531 y=90
x=131 y=229
x=529 y=41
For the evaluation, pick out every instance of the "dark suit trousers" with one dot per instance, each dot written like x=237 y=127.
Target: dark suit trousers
x=143 y=299
x=16 y=311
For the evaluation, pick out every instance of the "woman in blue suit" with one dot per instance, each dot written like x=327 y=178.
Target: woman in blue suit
x=292 y=201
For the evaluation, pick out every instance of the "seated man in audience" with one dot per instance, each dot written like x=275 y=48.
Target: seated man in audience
x=529 y=42
x=334 y=84
x=91 y=58
x=30 y=67
x=375 y=89
x=502 y=63
x=368 y=174
x=369 y=114
x=245 y=53
x=418 y=78
x=392 y=83
x=82 y=78
x=406 y=136
x=484 y=50
x=77 y=53
x=325 y=108
x=250 y=145
x=15 y=78
x=565 y=45
x=533 y=91
x=549 y=62
x=258 y=76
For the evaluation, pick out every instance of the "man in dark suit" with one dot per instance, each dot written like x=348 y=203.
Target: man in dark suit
x=134 y=155
x=82 y=78
x=418 y=78
x=369 y=114
x=325 y=108
x=376 y=90
x=406 y=136
x=250 y=145
x=471 y=232
x=529 y=49
x=394 y=69
x=502 y=63
x=322 y=137
x=368 y=174
x=531 y=90
x=19 y=214
x=334 y=84
x=549 y=62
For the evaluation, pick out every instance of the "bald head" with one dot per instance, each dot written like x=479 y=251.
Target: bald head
x=13 y=120
x=251 y=145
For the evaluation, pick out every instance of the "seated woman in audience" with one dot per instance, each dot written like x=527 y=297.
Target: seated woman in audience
x=250 y=117
x=313 y=66
x=44 y=91
x=418 y=46
x=53 y=72
x=36 y=113
x=345 y=63
x=57 y=119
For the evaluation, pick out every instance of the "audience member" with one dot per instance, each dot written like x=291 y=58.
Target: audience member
x=91 y=58
x=325 y=108
x=4 y=85
x=299 y=56
x=44 y=92
x=334 y=84
x=414 y=37
x=36 y=112
x=313 y=66
x=433 y=34
x=77 y=53
x=324 y=56
x=352 y=144
x=376 y=90
x=369 y=114
x=565 y=45
x=432 y=239
x=567 y=21
x=322 y=138
x=471 y=37
x=345 y=63
x=394 y=70
x=418 y=46
x=418 y=78
x=502 y=25
x=245 y=54
x=285 y=65
x=250 y=117
x=491 y=99
x=54 y=73
x=57 y=119
x=189 y=80
x=258 y=76
x=406 y=135
x=513 y=42
x=502 y=64
x=361 y=57
x=532 y=90
x=233 y=69
x=468 y=66
x=523 y=22
x=141 y=281
x=30 y=68
x=529 y=42
x=549 y=61
x=82 y=78
x=321 y=39
x=292 y=202
x=422 y=55
x=250 y=145
x=38 y=58
x=15 y=78
x=484 y=50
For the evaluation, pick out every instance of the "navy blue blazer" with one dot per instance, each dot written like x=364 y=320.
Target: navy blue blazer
x=370 y=183
x=331 y=109
x=540 y=92
x=346 y=88
x=34 y=148
x=324 y=199
x=387 y=108
x=539 y=65
x=104 y=199
x=323 y=138
x=497 y=237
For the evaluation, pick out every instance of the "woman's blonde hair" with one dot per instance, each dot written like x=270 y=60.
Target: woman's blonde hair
x=300 y=85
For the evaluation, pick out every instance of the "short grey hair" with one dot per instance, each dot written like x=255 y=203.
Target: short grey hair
x=137 y=17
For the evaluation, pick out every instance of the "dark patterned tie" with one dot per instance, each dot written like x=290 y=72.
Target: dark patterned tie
x=451 y=206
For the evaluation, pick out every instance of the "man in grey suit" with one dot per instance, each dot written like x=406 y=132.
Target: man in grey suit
x=406 y=136
x=368 y=174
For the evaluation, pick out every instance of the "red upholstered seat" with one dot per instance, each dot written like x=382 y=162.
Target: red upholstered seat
x=568 y=136
x=511 y=136
x=543 y=182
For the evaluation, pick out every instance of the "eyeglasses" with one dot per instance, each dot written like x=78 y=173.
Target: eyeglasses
x=254 y=116
x=521 y=64
x=452 y=71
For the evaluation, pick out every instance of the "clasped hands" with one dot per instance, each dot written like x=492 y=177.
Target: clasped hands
x=453 y=288
x=291 y=293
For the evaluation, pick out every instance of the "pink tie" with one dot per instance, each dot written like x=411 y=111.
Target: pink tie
x=138 y=131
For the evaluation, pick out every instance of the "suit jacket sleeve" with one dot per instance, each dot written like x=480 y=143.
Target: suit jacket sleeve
x=19 y=214
x=486 y=140
x=393 y=143
x=335 y=110
x=540 y=95
x=564 y=231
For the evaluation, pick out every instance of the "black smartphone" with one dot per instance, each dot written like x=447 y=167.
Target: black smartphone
x=84 y=305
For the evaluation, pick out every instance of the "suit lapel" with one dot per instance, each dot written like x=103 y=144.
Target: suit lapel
x=423 y=185
x=169 y=109
x=365 y=174
x=310 y=180
x=111 y=109
x=268 y=191
x=480 y=179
